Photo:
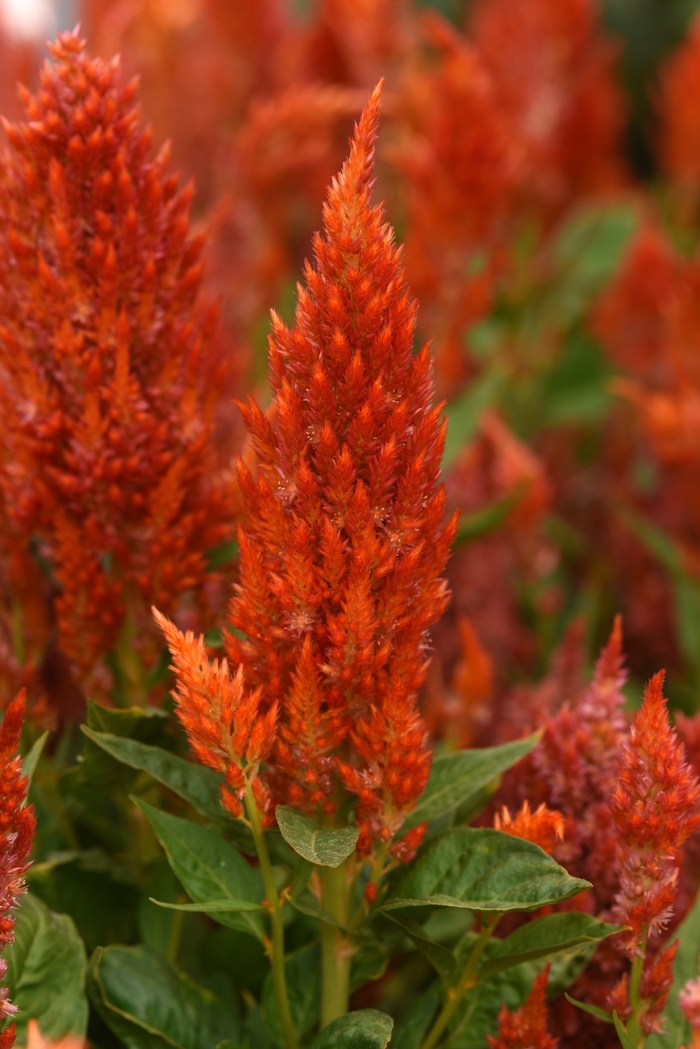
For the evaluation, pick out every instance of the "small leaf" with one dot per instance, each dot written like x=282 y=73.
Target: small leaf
x=543 y=937
x=363 y=1029
x=208 y=867
x=193 y=783
x=149 y=1004
x=625 y=1040
x=46 y=972
x=484 y=870
x=326 y=847
x=30 y=762
x=592 y=1010
x=211 y=906
x=306 y=903
x=454 y=778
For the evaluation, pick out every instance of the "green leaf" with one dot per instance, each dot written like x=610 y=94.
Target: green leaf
x=46 y=972
x=457 y=777
x=303 y=971
x=193 y=783
x=592 y=1010
x=677 y=1029
x=478 y=1012
x=306 y=903
x=149 y=1004
x=326 y=847
x=440 y=957
x=221 y=555
x=410 y=1032
x=208 y=867
x=30 y=762
x=363 y=1029
x=211 y=906
x=464 y=413
x=484 y=870
x=625 y=1040
x=134 y=722
x=543 y=937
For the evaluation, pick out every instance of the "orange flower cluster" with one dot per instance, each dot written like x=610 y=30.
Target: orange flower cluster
x=225 y=726
x=543 y=827
x=108 y=388
x=345 y=541
x=526 y=1028
x=655 y=808
x=17 y=823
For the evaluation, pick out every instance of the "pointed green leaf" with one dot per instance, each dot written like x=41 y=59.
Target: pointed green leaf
x=625 y=1040
x=326 y=847
x=592 y=1010
x=484 y=870
x=211 y=906
x=134 y=722
x=46 y=972
x=363 y=1029
x=543 y=937
x=30 y=762
x=306 y=903
x=208 y=867
x=454 y=778
x=194 y=783
x=150 y=1004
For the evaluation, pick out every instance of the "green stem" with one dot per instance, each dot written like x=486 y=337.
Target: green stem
x=336 y=951
x=634 y=1029
x=465 y=983
x=276 y=947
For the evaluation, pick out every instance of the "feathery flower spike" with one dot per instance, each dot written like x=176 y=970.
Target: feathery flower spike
x=224 y=724
x=543 y=827
x=345 y=540
x=108 y=380
x=17 y=824
x=526 y=1028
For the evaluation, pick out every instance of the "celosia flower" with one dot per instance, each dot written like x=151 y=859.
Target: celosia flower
x=655 y=808
x=345 y=540
x=108 y=383
x=526 y=1028
x=224 y=723
x=36 y=1040
x=543 y=827
x=17 y=823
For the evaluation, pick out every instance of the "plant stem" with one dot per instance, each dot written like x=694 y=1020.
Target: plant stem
x=465 y=983
x=633 y=1027
x=276 y=947
x=336 y=952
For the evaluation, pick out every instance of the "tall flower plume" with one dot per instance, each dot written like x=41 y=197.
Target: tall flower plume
x=345 y=540
x=526 y=1028
x=17 y=823
x=106 y=367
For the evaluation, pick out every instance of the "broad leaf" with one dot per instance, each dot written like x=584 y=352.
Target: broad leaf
x=149 y=1004
x=208 y=867
x=324 y=846
x=455 y=778
x=194 y=783
x=134 y=722
x=303 y=971
x=46 y=972
x=543 y=937
x=484 y=870
x=363 y=1029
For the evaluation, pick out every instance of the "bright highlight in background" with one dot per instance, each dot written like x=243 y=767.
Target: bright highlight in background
x=28 y=18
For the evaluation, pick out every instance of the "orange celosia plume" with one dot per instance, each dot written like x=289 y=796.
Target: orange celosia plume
x=543 y=827
x=345 y=541
x=105 y=454
x=526 y=1028
x=17 y=823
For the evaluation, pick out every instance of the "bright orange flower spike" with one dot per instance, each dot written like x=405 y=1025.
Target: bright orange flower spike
x=345 y=541
x=36 y=1040
x=17 y=823
x=543 y=827
x=224 y=724
x=107 y=380
x=655 y=808
x=526 y=1028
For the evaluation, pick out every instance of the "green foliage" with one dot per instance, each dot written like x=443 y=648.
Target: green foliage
x=46 y=972
x=324 y=846
x=364 y=1029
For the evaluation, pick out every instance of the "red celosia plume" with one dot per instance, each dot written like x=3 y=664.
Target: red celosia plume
x=108 y=384
x=17 y=823
x=526 y=1028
